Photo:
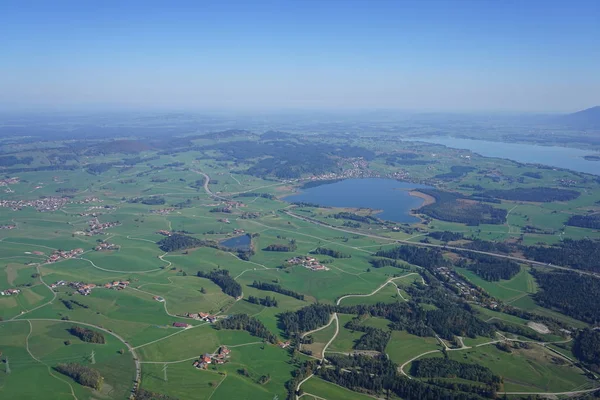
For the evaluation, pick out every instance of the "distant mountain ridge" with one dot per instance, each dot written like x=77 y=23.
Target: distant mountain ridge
x=585 y=119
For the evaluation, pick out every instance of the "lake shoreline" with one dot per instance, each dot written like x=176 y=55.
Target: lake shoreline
x=427 y=199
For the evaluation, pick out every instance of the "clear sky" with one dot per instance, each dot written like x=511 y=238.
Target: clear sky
x=429 y=55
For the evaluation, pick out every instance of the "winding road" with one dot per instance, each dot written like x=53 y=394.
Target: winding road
x=138 y=368
x=444 y=247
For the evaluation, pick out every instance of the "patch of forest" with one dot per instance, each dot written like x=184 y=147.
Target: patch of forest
x=454 y=207
x=355 y=217
x=587 y=348
x=288 y=160
x=9 y=161
x=579 y=254
x=536 y=194
x=379 y=376
x=243 y=322
x=591 y=221
x=143 y=394
x=446 y=368
x=267 y=301
x=272 y=287
x=151 y=201
x=456 y=171
x=446 y=236
x=178 y=241
x=87 y=335
x=222 y=279
x=281 y=247
x=426 y=258
x=373 y=338
x=82 y=374
x=491 y=268
x=569 y=292
x=330 y=253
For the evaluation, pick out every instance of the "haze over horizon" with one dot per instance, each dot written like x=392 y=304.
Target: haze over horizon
x=534 y=56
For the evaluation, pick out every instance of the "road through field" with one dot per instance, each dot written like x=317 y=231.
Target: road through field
x=444 y=247
x=138 y=368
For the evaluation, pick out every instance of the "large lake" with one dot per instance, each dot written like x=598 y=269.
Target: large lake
x=554 y=156
x=388 y=195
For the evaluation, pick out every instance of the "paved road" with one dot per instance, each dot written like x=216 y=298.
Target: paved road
x=138 y=368
x=445 y=247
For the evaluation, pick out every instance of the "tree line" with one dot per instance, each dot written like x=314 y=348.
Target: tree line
x=267 y=301
x=446 y=368
x=272 y=287
x=491 y=268
x=585 y=221
x=243 y=322
x=426 y=258
x=378 y=376
x=535 y=194
x=579 y=254
x=355 y=217
x=82 y=374
x=451 y=207
x=330 y=253
x=222 y=279
x=281 y=247
x=178 y=241
x=87 y=335
x=373 y=338
x=572 y=294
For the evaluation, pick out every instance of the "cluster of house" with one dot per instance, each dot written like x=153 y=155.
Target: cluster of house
x=58 y=283
x=63 y=254
x=238 y=231
x=452 y=278
x=566 y=182
x=224 y=220
x=164 y=232
x=84 y=289
x=96 y=227
x=201 y=316
x=163 y=211
x=220 y=357
x=9 y=292
x=93 y=214
x=116 y=285
x=9 y=181
x=42 y=205
x=90 y=200
x=308 y=262
x=12 y=226
x=106 y=246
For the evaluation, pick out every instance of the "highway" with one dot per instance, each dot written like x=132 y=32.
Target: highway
x=440 y=246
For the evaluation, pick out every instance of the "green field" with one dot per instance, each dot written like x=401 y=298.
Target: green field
x=165 y=191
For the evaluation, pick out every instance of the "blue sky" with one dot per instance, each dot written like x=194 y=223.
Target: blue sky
x=428 y=55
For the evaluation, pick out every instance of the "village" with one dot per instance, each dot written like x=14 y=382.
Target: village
x=105 y=246
x=96 y=227
x=61 y=254
x=46 y=204
x=9 y=292
x=308 y=262
x=221 y=356
x=9 y=181
x=201 y=316
x=85 y=289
